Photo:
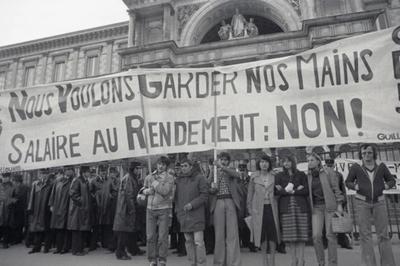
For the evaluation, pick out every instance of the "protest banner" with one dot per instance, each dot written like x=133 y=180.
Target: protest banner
x=346 y=91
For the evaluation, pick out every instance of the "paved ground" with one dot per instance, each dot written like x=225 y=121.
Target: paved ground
x=18 y=256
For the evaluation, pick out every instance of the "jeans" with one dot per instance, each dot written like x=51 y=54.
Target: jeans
x=321 y=216
x=195 y=248
x=378 y=212
x=157 y=224
x=227 y=247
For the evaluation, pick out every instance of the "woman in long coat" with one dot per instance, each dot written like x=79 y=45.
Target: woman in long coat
x=263 y=210
x=326 y=198
x=292 y=187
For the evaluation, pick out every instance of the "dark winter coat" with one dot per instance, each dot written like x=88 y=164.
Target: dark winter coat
x=20 y=195
x=193 y=189
x=6 y=190
x=79 y=205
x=300 y=195
x=125 y=214
x=367 y=191
x=105 y=192
x=38 y=205
x=59 y=201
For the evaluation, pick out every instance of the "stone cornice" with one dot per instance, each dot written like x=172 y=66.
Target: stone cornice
x=67 y=40
x=314 y=32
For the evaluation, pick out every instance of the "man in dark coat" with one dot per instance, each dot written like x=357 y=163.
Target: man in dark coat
x=59 y=202
x=79 y=210
x=125 y=216
x=6 y=189
x=20 y=196
x=105 y=192
x=190 y=198
x=38 y=207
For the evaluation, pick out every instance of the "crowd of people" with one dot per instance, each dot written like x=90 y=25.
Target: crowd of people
x=197 y=210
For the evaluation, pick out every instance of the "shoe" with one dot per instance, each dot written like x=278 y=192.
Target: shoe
x=64 y=251
x=82 y=253
x=5 y=246
x=57 y=252
x=181 y=254
x=137 y=252
x=153 y=263
x=347 y=247
x=162 y=263
x=253 y=249
x=124 y=257
x=34 y=251
x=208 y=252
x=46 y=250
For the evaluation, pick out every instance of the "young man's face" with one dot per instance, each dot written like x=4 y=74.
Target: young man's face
x=86 y=174
x=103 y=174
x=186 y=168
x=224 y=161
x=367 y=154
x=69 y=172
x=161 y=167
x=113 y=174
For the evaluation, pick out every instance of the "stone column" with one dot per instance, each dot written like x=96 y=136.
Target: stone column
x=131 y=31
x=167 y=22
x=14 y=73
x=76 y=64
x=358 y=5
x=395 y=3
x=109 y=57
x=44 y=68
x=308 y=9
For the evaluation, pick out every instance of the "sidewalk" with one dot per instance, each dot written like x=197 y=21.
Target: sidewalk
x=18 y=256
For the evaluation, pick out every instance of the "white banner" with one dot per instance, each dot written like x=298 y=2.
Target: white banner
x=346 y=91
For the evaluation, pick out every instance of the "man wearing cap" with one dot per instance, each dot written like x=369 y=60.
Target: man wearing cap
x=6 y=189
x=104 y=191
x=59 y=200
x=79 y=210
x=369 y=180
x=39 y=209
x=160 y=190
x=226 y=207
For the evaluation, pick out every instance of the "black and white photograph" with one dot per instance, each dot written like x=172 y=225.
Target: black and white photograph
x=200 y=133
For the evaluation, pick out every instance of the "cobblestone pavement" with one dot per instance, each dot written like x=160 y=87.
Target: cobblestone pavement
x=18 y=256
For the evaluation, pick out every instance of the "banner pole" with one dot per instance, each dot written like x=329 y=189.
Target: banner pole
x=145 y=130
x=215 y=125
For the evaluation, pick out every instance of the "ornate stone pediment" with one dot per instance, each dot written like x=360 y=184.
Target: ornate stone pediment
x=184 y=14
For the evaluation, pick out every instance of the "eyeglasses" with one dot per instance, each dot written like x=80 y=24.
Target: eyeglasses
x=185 y=165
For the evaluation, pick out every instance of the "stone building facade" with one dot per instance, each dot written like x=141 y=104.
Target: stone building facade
x=184 y=33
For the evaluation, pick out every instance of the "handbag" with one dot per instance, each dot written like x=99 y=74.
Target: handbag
x=141 y=198
x=342 y=223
